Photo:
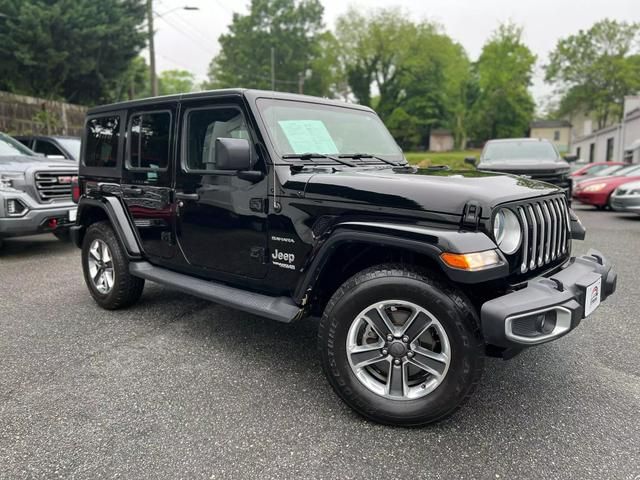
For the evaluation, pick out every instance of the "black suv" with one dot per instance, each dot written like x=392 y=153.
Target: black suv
x=290 y=207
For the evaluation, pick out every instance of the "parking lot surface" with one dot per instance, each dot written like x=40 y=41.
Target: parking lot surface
x=177 y=387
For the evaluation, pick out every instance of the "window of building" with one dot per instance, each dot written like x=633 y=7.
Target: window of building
x=149 y=135
x=556 y=135
x=103 y=135
x=204 y=126
x=578 y=152
x=609 y=149
x=592 y=152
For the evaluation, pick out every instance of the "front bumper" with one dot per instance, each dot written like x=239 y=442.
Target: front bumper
x=626 y=203
x=509 y=321
x=38 y=217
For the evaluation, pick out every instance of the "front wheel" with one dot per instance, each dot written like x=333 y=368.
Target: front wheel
x=400 y=347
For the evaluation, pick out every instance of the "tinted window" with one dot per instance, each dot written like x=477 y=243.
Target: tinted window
x=47 y=148
x=204 y=127
x=149 y=140
x=103 y=134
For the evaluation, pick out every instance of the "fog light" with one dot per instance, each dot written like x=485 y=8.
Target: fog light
x=15 y=208
x=546 y=322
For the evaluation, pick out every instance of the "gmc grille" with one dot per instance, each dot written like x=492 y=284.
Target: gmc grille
x=547 y=232
x=53 y=185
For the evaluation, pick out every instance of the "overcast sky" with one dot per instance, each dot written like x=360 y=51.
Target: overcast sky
x=189 y=39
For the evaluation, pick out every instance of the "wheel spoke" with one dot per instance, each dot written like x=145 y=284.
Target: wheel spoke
x=106 y=255
x=379 y=321
x=108 y=277
x=364 y=355
x=93 y=251
x=416 y=325
x=97 y=276
x=396 y=382
x=431 y=362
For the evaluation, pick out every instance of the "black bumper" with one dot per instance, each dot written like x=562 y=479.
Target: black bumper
x=510 y=321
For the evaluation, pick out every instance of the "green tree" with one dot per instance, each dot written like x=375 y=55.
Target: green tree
x=596 y=68
x=420 y=74
x=77 y=50
x=295 y=32
x=176 y=81
x=504 y=107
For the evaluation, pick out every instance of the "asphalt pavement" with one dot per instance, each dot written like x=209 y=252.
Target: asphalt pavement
x=176 y=387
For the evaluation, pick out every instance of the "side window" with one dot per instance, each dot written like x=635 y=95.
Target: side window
x=149 y=135
x=47 y=148
x=204 y=127
x=103 y=135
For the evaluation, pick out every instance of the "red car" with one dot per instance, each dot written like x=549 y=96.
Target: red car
x=591 y=168
x=598 y=191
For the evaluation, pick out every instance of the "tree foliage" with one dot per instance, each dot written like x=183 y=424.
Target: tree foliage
x=77 y=50
x=504 y=105
x=294 y=29
x=596 y=68
x=176 y=81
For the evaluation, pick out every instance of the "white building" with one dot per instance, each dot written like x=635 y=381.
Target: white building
x=619 y=142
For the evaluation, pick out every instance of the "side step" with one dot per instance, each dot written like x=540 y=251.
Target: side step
x=281 y=309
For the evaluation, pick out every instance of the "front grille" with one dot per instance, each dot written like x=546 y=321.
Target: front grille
x=53 y=185
x=547 y=232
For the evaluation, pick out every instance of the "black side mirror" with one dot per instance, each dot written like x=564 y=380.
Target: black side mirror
x=233 y=154
x=470 y=161
x=571 y=157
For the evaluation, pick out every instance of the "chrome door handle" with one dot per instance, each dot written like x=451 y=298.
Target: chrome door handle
x=187 y=196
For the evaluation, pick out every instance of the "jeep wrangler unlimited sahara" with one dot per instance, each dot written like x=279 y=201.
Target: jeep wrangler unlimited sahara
x=288 y=207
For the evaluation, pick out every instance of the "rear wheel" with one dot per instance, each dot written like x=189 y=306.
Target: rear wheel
x=400 y=347
x=106 y=269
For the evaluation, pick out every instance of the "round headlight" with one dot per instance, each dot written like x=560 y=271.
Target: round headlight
x=506 y=231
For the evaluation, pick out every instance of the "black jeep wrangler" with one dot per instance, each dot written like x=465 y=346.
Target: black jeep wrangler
x=289 y=207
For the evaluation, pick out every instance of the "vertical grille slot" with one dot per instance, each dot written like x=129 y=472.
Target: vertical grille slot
x=53 y=185
x=546 y=232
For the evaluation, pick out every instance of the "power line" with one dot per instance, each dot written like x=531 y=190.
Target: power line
x=188 y=36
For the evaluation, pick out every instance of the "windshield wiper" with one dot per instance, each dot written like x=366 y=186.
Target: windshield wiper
x=311 y=156
x=358 y=156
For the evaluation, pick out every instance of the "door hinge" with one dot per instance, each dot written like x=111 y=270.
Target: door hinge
x=258 y=253
x=256 y=205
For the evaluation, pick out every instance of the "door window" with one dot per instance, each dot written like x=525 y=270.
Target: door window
x=203 y=127
x=149 y=140
x=48 y=149
x=103 y=135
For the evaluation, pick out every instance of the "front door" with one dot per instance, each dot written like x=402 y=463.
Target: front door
x=220 y=222
x=146 y=185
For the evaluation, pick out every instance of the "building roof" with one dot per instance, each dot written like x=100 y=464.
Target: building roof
x=549 y=124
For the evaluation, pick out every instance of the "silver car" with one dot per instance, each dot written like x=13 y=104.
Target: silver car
x=626 y=198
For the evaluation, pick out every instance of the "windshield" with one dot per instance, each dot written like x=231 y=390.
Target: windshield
x=605 y=172
x=296 y=128
x=71 y=145
x=10 y=147
x=630 y=171
x=519 y=150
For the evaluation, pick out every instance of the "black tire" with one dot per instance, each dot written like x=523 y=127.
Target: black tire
x=62 y=234
x=126 y=289
x=452 y=309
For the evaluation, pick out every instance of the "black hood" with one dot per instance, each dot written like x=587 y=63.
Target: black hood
x=443 y=191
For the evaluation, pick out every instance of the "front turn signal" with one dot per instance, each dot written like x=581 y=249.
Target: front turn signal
x=471 y=261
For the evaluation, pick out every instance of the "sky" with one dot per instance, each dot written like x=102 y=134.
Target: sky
x=189 y=39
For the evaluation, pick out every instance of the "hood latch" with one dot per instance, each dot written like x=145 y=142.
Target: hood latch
x=471 y=215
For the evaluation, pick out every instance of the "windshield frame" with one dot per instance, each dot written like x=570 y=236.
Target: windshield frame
x=23 y=150
x=262 y=103
x=557 y=157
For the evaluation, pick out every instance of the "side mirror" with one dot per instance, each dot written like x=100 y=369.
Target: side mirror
x=233 y=154
x=470 y=161
x=571 y=158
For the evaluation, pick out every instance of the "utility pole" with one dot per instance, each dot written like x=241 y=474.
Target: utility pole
x=273 y=68
x=301 y=83
x=152 y=51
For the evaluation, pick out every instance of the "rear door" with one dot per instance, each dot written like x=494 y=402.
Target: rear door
x=147 y=180
x=221 y=225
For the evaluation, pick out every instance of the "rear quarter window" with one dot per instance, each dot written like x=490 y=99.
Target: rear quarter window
x=102 y=141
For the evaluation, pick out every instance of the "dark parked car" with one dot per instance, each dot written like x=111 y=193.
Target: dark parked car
x=289 y=207
x=35 y=192
x=533 y=158
x=55 y=146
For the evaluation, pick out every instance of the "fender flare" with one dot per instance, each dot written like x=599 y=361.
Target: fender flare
x=118 y=218
x=423 y=240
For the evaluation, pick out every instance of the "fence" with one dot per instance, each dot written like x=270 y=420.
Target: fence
x=22 y=115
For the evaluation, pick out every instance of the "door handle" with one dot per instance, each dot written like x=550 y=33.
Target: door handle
x=132 y=190
x=187 y=196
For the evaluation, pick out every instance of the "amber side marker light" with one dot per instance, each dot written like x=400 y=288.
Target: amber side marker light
x=471 y=261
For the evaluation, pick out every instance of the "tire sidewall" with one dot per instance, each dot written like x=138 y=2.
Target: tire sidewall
x=463 y=344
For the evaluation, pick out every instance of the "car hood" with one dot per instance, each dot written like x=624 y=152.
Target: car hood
x=23 y=163
x=443 y=191
x=525 y=165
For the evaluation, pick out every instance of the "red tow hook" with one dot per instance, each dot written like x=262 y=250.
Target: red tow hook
x=53 y=223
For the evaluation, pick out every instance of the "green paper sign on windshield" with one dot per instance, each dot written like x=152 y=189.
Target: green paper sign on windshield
x=308 y=136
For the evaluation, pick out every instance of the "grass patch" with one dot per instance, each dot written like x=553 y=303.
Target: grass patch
x=454 y=159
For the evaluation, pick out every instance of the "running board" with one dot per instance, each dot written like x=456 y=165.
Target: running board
x=281 y=309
